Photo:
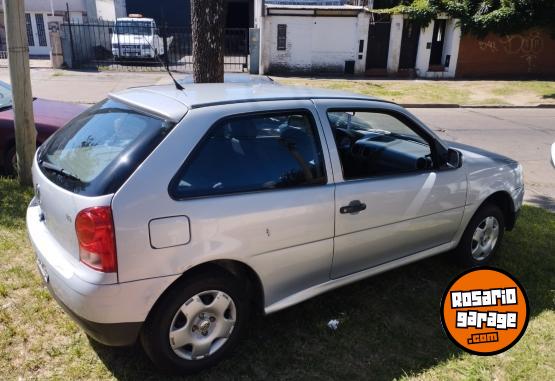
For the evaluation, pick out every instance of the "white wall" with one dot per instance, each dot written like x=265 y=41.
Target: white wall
x=395 y=37
x=59 y=5
x=110 y=9
x=363 y=23
x=423 y=53
x=107 y=9
x=450 y=47
x=314 y=44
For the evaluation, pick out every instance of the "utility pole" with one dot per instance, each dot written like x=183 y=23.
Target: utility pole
x=20 y=76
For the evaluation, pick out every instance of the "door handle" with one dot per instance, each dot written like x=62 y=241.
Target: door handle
x=354 y=206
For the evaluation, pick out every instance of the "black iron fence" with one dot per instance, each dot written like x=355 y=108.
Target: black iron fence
x=136 y=45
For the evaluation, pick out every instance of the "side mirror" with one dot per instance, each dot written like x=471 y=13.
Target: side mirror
x=454 y=158
x=553 y=155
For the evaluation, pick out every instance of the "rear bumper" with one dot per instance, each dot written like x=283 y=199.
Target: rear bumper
x=112 y=334
x=110 y=313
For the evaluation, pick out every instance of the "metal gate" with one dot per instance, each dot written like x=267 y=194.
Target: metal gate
x=107 y=46
x=409 y=44
x=378 y=41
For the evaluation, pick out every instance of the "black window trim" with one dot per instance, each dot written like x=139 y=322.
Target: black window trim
x=116 y=173
x=172 y=186
x=436 y=146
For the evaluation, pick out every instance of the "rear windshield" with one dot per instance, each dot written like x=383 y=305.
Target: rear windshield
x=97 y=151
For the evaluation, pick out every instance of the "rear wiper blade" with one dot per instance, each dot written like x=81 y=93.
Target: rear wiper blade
x=58 y=170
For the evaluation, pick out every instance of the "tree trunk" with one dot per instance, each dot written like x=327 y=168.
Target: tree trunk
x=18 y=60
x=208 y=27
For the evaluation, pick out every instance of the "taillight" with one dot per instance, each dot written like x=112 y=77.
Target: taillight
x=97 y=242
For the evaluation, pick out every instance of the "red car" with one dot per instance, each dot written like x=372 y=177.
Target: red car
x=49 y=117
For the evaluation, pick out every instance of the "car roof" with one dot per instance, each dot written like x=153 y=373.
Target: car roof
x=171 y=103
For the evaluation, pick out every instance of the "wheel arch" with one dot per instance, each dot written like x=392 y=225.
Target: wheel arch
x=239 y=270
x=504 y=201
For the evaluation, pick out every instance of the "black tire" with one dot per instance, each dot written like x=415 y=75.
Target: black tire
x=9 y=160
x=463 y=252
x=155 y=333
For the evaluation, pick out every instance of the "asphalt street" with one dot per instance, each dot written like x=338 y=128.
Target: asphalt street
x=523 y=134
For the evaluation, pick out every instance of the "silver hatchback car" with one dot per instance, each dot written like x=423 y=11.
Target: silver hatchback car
x=169 y=216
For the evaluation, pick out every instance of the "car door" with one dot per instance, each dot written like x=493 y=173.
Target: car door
x=249 y=182
x=391 y=199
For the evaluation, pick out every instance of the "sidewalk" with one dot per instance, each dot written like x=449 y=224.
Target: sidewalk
x=84 y=86
x=90 y=87
x=440 y=93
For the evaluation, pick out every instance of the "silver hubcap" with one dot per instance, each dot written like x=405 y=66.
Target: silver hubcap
x=484 y=238
x=202 y=325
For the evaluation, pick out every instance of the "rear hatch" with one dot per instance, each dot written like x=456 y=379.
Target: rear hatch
x=86 y=162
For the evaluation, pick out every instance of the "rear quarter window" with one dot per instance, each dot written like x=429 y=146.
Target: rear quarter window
x=97 y=151
x=256 y=152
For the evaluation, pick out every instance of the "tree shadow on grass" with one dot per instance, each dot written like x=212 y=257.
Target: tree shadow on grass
x=545 y=202
x=389 y=324
x=549 y=96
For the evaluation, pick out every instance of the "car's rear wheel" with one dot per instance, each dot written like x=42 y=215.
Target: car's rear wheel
x=482 y=237
x=196 y=324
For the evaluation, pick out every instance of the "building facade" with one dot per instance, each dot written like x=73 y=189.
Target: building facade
x=347 y=39
x=313 y=39
x=43 y=16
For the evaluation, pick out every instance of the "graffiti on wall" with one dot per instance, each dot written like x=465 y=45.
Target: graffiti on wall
x=527 y=46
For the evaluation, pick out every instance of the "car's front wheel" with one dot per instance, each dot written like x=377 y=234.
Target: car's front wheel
x=196 y=323
x=482 y=237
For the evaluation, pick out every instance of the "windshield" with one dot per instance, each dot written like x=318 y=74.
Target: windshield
x=5 y=95
x=141 y=28
x=374 y=123
x=96 y=152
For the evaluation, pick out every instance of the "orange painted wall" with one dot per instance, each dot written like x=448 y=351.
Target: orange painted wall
x=527 y=54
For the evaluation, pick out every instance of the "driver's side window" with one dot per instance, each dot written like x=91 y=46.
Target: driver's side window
x=372 y=143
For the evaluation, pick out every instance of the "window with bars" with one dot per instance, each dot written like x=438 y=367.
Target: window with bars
x=30 y=38
x=281 y=37
x=39 y=18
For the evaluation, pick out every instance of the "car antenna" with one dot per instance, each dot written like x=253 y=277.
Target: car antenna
x=157 y=56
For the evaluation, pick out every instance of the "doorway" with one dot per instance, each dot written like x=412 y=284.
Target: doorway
x=37 y=38
x=438 y=39
x=409 y=44
x=378 y=43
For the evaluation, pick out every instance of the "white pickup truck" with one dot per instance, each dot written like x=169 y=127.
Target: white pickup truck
x=137 y=37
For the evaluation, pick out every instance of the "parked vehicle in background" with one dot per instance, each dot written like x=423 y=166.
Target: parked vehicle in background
x=137 y=37
x=49 y=117
x=169 y=215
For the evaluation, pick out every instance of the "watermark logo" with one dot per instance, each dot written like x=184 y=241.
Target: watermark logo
x=485 y=311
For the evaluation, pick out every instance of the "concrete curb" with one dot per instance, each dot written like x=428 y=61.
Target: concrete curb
x=454 y=105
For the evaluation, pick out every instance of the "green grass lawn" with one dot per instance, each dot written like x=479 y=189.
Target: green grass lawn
x=481 y=93
x=389 y=324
